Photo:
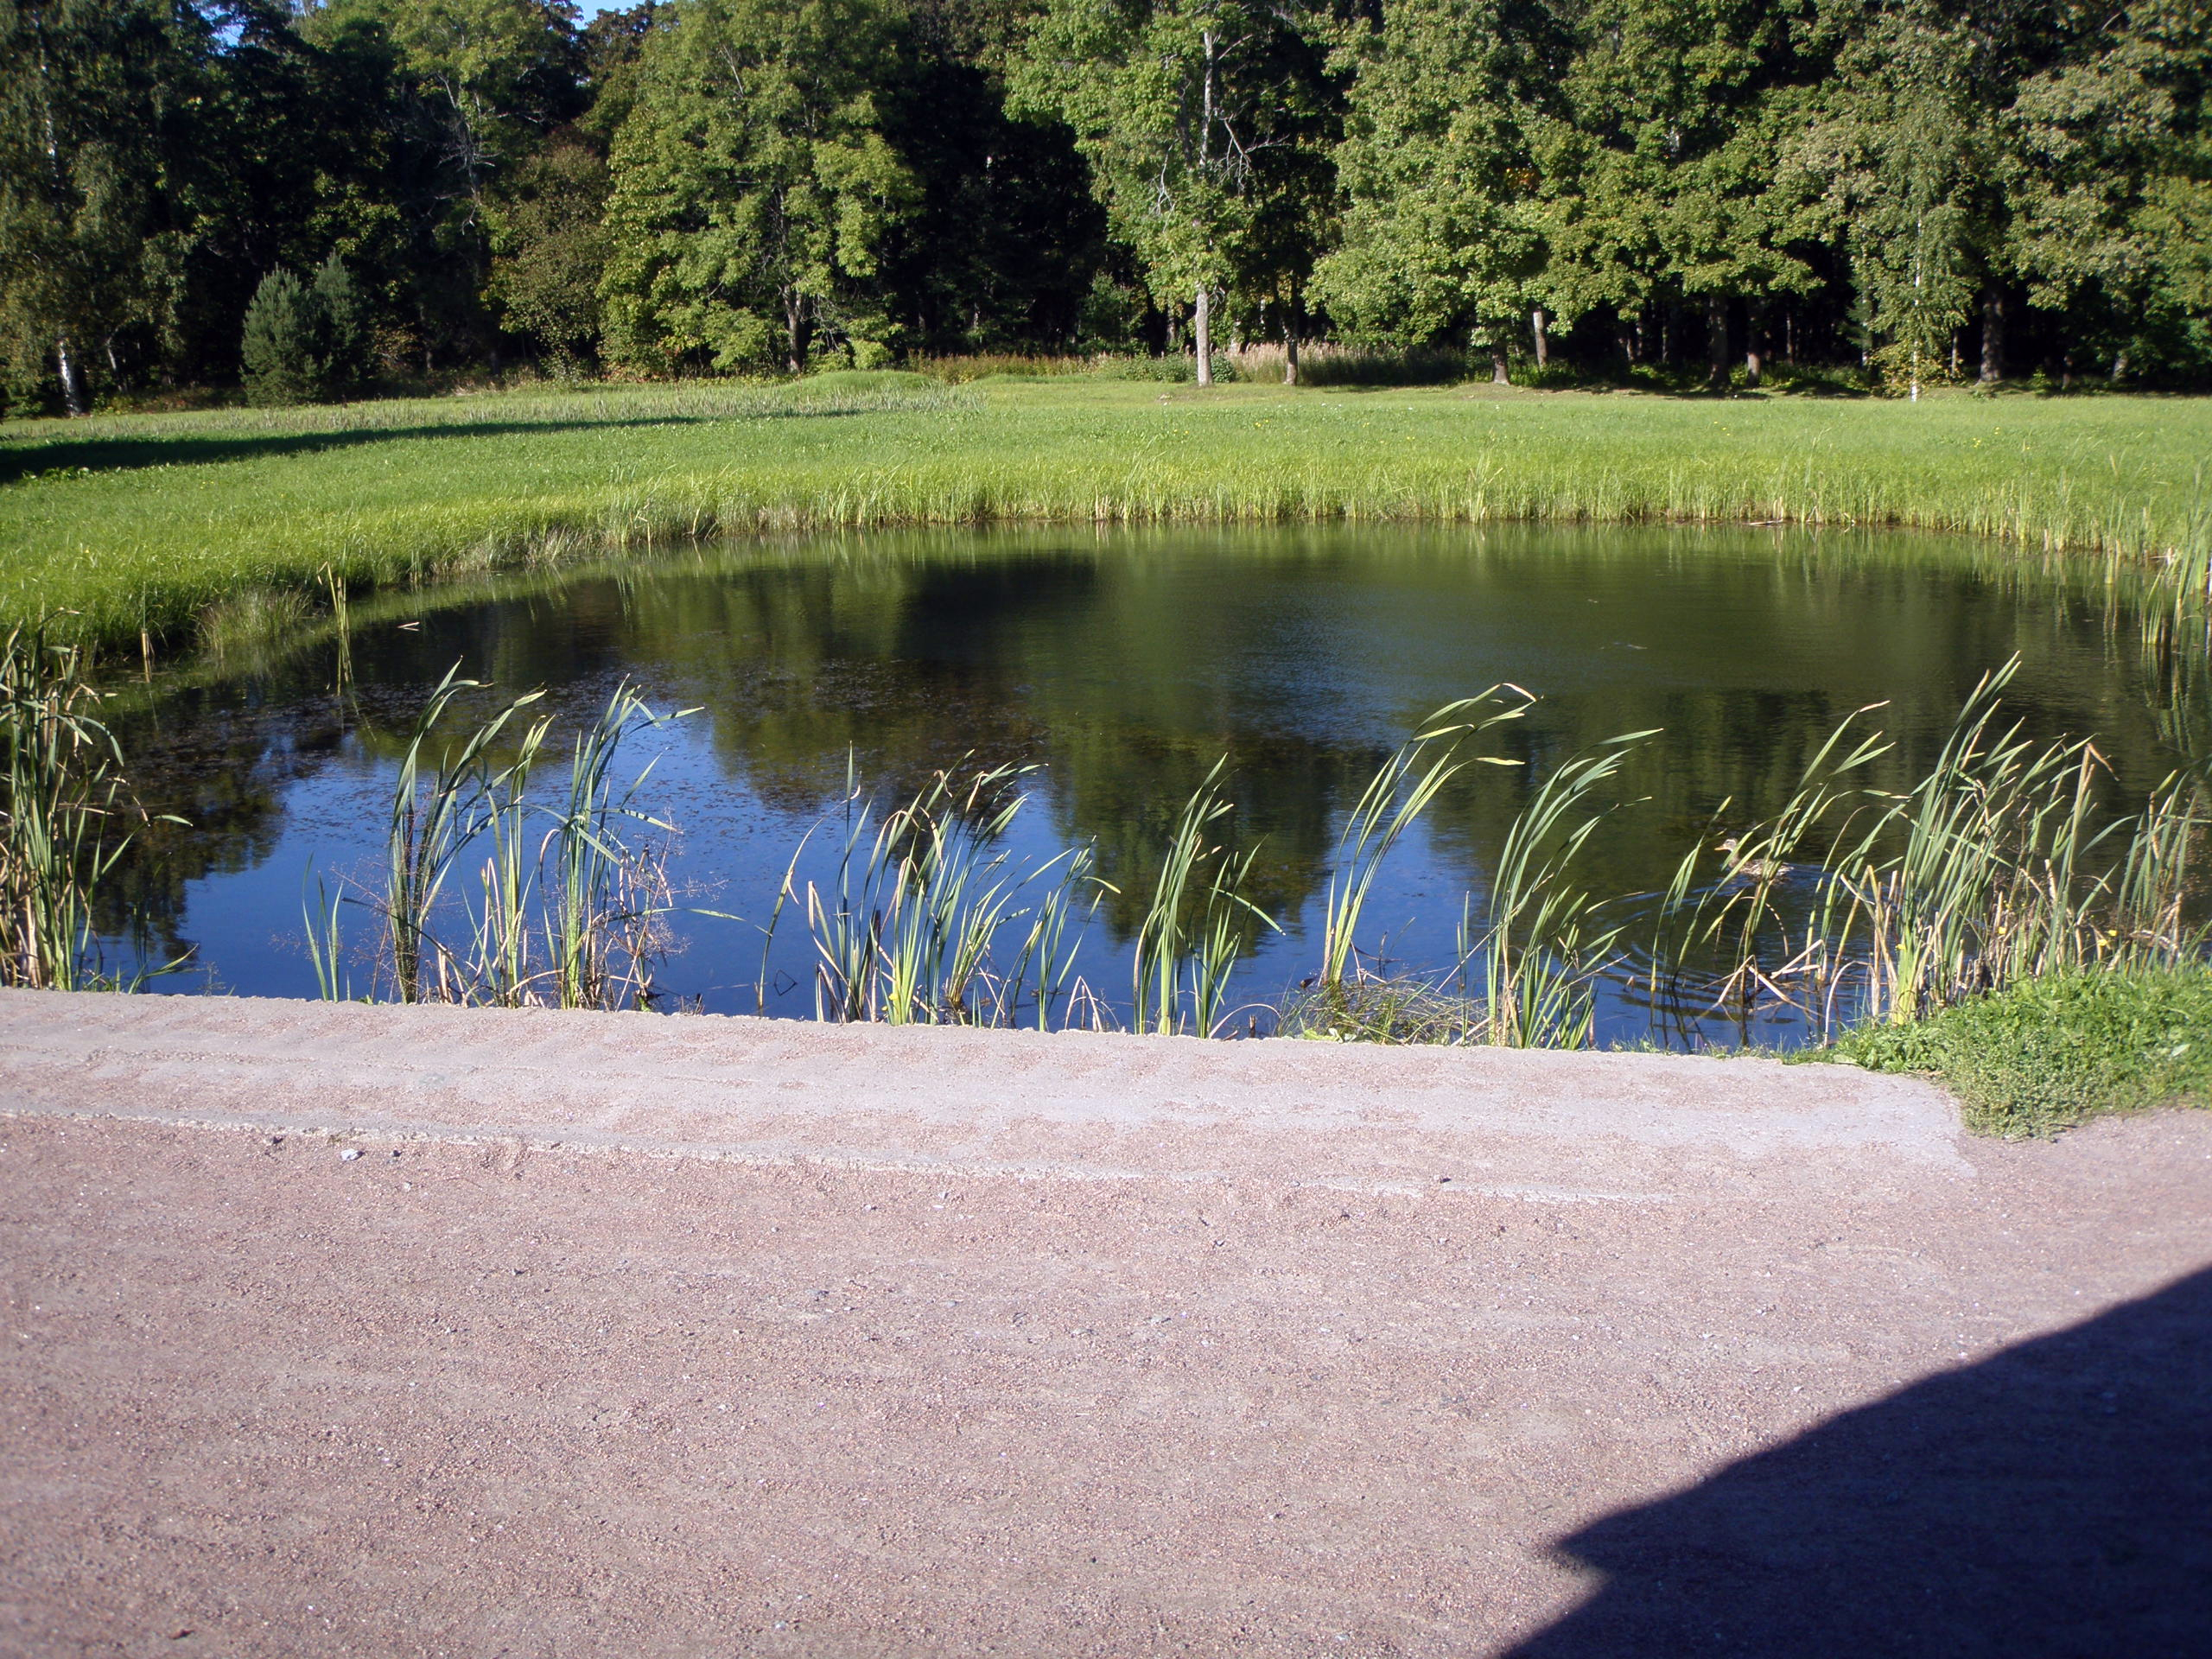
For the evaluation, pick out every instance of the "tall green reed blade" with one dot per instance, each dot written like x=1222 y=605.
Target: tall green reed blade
x=1401 y=791
x=325 y=941
x=66 y=787
x=609 y=897
x=1190 y=931
x=1543 y=945
x=428 y=827
x=1736 y=914
x=921 y=897
x=499 y=968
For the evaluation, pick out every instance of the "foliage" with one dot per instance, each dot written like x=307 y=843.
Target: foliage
x=305 y=343
x=1904 y=191
x=1202 y=122
x=752 y=188
x=551 y=252
x=2050 y=1051
x=281 y=363
x=65 y=797
x=1442 y=235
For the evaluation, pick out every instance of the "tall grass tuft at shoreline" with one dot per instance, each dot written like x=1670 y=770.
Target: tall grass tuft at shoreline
x=131 y=528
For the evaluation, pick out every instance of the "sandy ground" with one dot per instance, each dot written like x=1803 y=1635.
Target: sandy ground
x=367 y=1331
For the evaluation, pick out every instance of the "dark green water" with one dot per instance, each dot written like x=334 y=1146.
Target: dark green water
x=1122 y=666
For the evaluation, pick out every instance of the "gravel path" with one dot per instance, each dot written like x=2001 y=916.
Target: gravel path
x=358 y=1331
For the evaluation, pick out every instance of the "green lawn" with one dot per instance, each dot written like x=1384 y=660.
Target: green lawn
x=148 y=520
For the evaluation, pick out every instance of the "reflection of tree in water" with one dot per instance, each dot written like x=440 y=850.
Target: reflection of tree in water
x=218 y=757
x=1126 y=665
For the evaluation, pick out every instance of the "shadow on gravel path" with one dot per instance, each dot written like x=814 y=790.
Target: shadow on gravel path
x=2053 y=1500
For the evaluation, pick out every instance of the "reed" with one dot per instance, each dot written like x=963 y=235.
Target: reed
x=563 y=909
x=1401 y=791
x=2000 y=865
x=67 y=798
x=1545 y=941
x=910 y=930
x=1187 y=944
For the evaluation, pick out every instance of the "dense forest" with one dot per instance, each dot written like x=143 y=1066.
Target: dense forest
x=318 y=199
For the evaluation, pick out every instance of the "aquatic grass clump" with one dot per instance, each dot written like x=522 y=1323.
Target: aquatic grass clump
x=911 y=930
x=1999 y=865
x=566 y=909
x=65 y=819
x=1195 y=927
x=1547 y=941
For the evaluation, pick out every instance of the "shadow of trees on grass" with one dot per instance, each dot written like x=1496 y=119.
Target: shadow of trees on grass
x=2053 y=1500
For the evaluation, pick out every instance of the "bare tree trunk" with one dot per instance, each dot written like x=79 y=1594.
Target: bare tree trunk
x=1202 y=334
x=1716 y=339
x=1498 y=376
x=1543 y=340
x=1755 y=348
x=1289 y=349
x=1992 y=338
x=795 y=323
x=73 y=381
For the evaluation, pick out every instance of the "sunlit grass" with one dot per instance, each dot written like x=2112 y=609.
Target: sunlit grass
x=142 y=523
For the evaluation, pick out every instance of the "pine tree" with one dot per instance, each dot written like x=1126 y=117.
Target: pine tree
x=343 y=342
x=280 y=351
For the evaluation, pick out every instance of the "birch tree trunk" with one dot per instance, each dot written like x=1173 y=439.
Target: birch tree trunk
x=1543 y=339
x=72 y=380
x=795 y=322
x=1202 y=332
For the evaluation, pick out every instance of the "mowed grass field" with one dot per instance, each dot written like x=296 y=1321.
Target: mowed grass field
x=116 y=524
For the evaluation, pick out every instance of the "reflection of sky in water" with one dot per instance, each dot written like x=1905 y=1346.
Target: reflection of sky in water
x=1121 y=667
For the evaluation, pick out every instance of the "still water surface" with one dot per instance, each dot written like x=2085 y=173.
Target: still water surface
x=1120 y=667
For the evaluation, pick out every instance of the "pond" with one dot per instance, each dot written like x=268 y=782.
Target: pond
x=1120 y=667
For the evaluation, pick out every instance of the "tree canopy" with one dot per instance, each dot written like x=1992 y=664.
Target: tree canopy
x=1904 y=191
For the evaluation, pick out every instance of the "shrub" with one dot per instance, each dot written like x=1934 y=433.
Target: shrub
x=305 y=344
x=279 y=352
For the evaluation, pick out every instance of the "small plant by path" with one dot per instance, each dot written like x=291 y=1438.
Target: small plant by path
x=2050 y=1051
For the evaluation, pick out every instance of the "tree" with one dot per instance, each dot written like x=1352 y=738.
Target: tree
x=753 y=187
x=90 y=141
x=551 y=250
x=457 y=93
x=1442 y=231
x=303 y=341
x=281 y=348
x=343 y=337
x=1197 y=117
x=1671 y=184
